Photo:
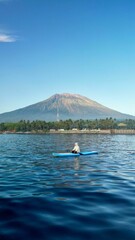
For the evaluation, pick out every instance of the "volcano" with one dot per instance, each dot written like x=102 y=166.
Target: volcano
x=62 y=107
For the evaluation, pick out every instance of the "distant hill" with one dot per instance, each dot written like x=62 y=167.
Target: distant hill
x=62 y=107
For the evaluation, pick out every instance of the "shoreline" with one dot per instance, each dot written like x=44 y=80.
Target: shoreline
x=94 y=131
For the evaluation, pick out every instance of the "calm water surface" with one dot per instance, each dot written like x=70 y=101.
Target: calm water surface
x=86 y=197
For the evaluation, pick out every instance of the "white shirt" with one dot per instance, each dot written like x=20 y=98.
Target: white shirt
x=76 y=148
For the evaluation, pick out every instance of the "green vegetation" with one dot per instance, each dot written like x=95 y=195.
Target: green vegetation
x=43 y=126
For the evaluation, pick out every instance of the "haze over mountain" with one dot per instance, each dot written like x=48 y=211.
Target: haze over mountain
x=62 y=107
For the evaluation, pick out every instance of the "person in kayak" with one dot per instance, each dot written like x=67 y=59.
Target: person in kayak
x=76 y=148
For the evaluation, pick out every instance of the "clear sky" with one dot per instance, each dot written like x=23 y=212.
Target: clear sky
x=85 y=47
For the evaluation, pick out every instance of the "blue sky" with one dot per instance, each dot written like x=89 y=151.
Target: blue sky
x=85 y=47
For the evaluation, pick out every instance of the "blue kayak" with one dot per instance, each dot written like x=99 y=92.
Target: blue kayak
x=73 y=154
x=88 y=153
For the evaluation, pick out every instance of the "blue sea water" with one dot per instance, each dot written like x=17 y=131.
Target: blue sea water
x=86 y=197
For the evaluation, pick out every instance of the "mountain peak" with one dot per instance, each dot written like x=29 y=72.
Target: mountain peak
x=63 y=106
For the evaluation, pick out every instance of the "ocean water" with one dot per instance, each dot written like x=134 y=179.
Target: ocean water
x=86 y=197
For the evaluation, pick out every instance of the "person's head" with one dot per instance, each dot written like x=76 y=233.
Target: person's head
x=76 y=144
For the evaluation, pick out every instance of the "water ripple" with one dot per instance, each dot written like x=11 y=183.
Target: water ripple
x=89 y=197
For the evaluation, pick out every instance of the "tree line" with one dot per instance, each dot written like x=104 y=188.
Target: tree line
x=43 y=126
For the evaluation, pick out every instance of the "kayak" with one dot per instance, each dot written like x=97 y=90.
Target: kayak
x=88 y=153
x=73 y=154
x=66 y=154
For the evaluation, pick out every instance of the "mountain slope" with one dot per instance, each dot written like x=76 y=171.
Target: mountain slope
x=61 y=107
